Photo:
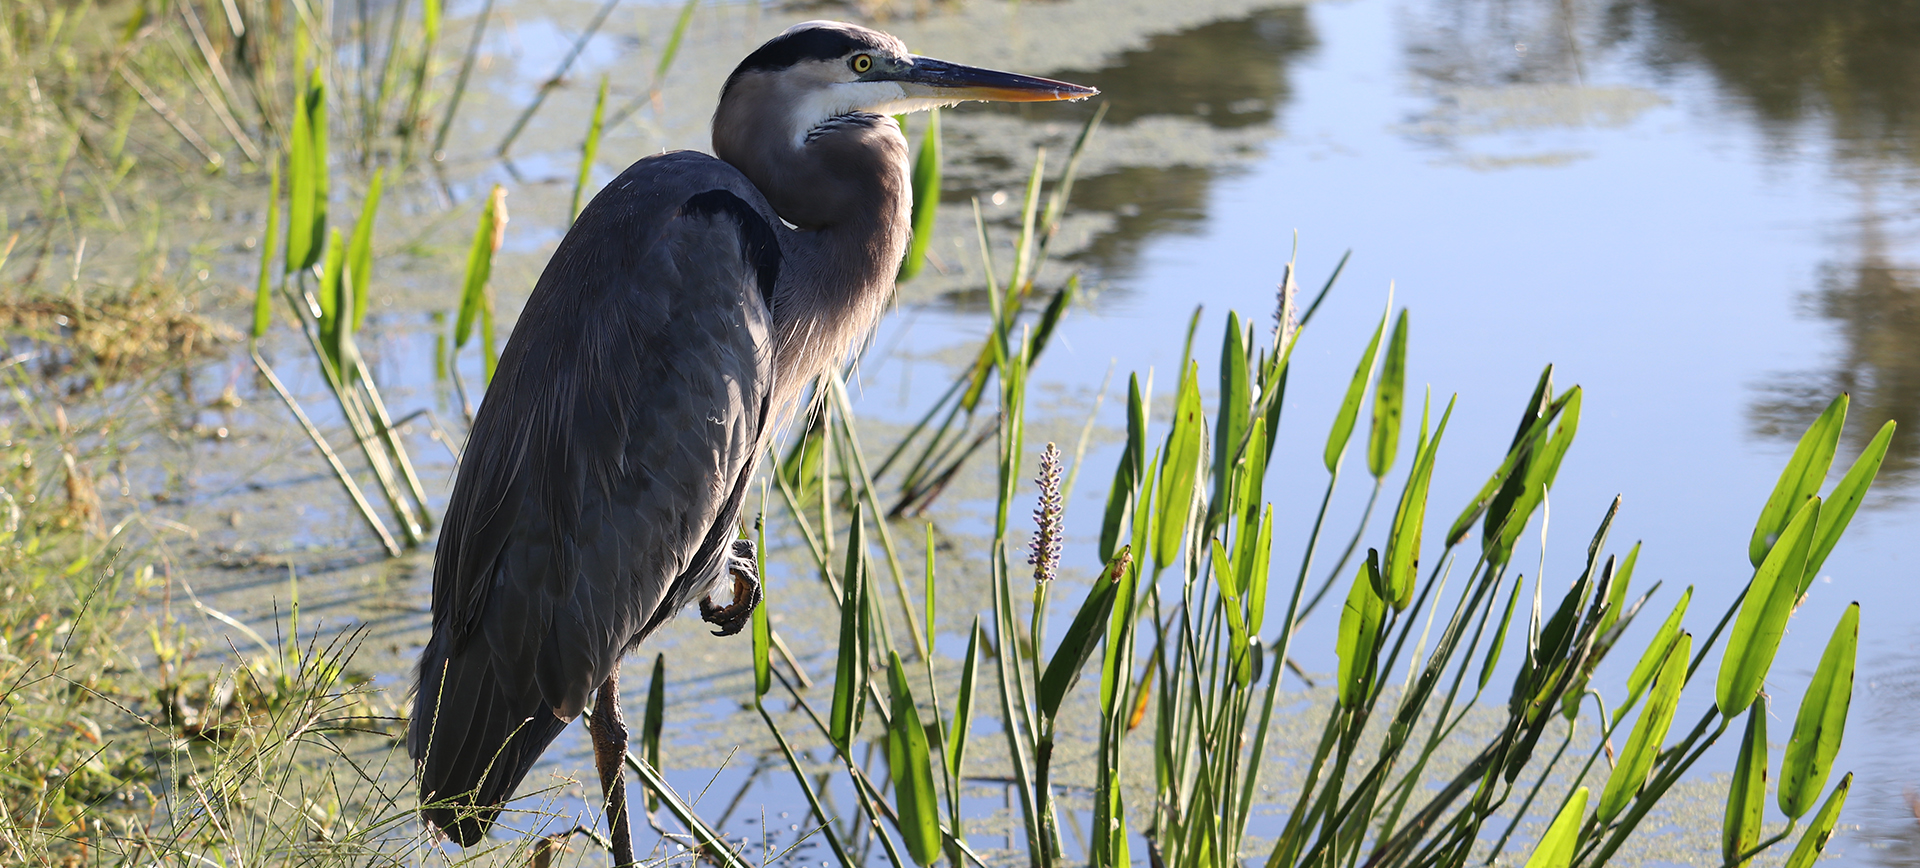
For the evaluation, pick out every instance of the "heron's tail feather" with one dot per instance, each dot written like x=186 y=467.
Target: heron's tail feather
x=472 y=741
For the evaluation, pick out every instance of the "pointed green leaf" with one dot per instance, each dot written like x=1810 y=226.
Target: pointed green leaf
x=1820 y=830
x=1643 y=747
x=926 y=197
x=1656 y=652
x=307 y=175
x=762 y=647
x=963 y=704
x=479 y=269
x=589 y=150
x=1801 y=479
x=1500 y=635
x=653 y=721
x=1179 y=474
x=1231 y=429
x=1350 y=405
x=1822 y=721
x=1540 y=472
x=360 y=250
x=850 y=663
x=1562 y=840
x=1077 y=646
x=1534 y=425
x=1254 y=566
x=1844 y=500
x=1359 y=633
x=1127 y=476
x=1389 y=398
x=1403 y=544
x=1747 y=794
x=908 y=758
x=263 y=297
x=1617 y=594
x=1763 y=614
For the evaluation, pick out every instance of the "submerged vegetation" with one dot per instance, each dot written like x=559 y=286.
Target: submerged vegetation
x=134 y=734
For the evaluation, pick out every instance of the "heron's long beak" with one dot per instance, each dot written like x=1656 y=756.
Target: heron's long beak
x=938 y=79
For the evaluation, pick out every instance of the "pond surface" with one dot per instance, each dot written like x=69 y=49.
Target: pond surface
x=1706 y=213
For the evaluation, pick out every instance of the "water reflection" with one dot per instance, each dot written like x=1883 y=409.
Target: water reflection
x=1228 y=77
x=1844 y=75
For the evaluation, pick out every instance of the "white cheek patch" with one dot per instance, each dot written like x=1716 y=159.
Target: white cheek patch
x=842 y=98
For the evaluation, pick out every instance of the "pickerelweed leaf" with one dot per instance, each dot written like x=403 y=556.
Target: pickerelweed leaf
x=963 y=704
x=1127 y=476
x=1643 y=746
x=1617 y=594
x=1763 y=614
x=1801 y=478
x=1403 y=543
x=263 y=296
x=479 y=270
x=1514 y=460
x=1356 y=389
x=1389 y=400
x=1562 y=840
x=1822 y=721
x=1230 y=430
x=850 y=662
x=1500 y=635
x=1359 y=633
x=360 y=250
x=1844 y=500
x=1539 y=473
x=1747 y=794
x=909 y=761
x=307 y=175
x=926 y=197
x=1082 y=637
x=1179 y=474
x=1814 y=842
x=653 y=721
x=762 y=647
x=1651 y=658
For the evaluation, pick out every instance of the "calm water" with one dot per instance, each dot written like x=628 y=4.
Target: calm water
x=1707 y=213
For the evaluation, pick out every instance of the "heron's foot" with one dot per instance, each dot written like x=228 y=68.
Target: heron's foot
x=733 y=617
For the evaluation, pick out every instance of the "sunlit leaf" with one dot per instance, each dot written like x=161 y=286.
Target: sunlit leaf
x=1077 y=646
x=1747 y=794
x=1389 y=399
x=360 y=250
x=1814 y=842
x=1844 y=500
x=1822 y=721
x=1643 y=746
x=1557 y=847
x=1656 y=652
x=1403 y=544
x=1763 y=614
x=1349 y=411
x=908 y=758
x=263 y=296
x=1359 y=635
x=1179 y=474
x=1801 y=478
x=926 y=197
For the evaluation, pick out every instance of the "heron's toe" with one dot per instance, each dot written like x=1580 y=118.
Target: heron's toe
x=733 y=617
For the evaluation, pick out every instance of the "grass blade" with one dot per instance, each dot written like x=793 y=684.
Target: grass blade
x=1822 y=721
x=963 y=703
x=653 y=721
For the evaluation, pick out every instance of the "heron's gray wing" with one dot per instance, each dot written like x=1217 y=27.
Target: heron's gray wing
x=606 y=468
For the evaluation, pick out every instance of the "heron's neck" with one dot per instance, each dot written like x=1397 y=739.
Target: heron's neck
x=846 y=190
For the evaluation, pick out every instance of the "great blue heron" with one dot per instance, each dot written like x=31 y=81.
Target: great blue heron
x=673 y=330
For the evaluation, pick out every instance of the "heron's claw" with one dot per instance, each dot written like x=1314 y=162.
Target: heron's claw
x=733 y=617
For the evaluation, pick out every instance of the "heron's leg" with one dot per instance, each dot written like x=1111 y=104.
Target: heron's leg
x=609 y=732
x=746 y=592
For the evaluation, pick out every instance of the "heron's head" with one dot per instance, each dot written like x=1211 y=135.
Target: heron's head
x=820 y=70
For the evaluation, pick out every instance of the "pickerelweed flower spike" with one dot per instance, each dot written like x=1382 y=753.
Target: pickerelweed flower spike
x=1285 y=318
x=1046 y=517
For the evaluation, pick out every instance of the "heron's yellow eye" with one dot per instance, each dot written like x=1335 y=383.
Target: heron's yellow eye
x=862 y=62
